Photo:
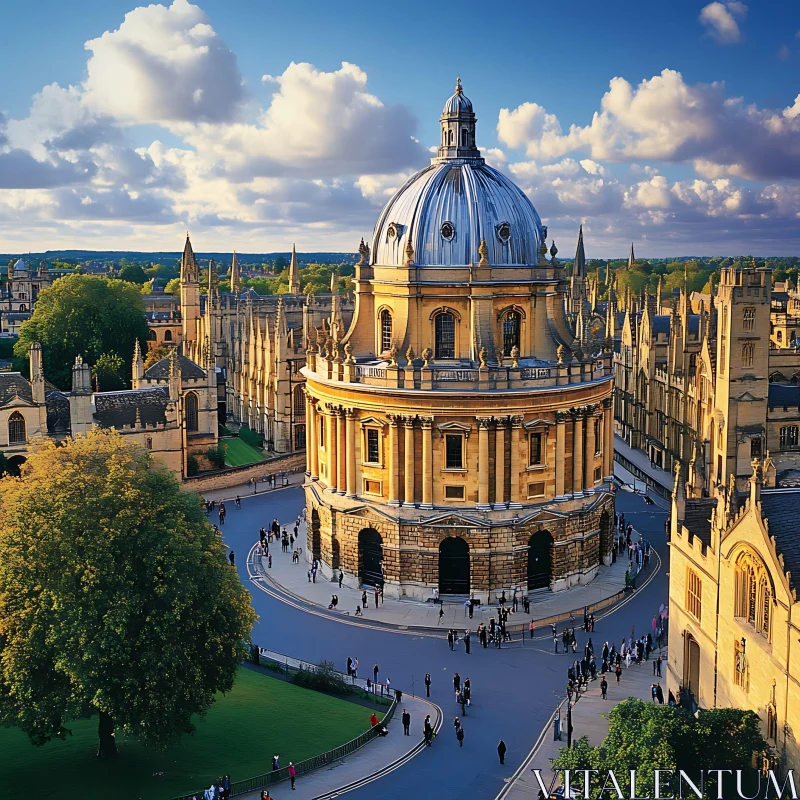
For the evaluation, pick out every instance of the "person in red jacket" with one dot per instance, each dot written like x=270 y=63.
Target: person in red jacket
x=292 y=773
x=373 y=719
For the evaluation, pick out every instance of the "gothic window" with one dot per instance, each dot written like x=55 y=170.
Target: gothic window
x=16 y=429
x=772 y=724
x=445 y=339
x=788 y=436
x=152 y=336
x=190 y=405
x=764 y=608
x=386 y=330
x=511 y=327
x=167 y=336
x=536 y=449
x=694 y=593
x=747 y=354
x=454 y=451
x=450 y=141
x=755 y=448
x=752 y=594
x=300 y=437
x=299 y=402
x=749 y=319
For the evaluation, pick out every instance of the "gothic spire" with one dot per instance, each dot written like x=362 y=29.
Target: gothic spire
x=579 y=265
x=631 y=258
x=236 y=281
x=294 y=273
x=189 y=273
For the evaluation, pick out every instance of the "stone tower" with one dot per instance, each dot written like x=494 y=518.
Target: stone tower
x=190 y=297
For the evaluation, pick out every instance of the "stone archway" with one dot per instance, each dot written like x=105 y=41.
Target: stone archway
x=540 y=560
x=315 y=535
x=370 y=557
x=454 y=566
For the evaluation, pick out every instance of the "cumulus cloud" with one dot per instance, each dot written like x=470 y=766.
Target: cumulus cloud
x=720 y=20
x=665 y=118
x=163 y=64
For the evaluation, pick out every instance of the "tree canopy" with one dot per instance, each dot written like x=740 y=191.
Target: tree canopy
x=84 y=315
x=116 y=598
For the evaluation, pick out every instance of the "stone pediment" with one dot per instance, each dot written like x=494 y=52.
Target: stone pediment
x=455 y=521
x=544 y=516
x=748 y=398
x=373 y=421
x=16 y=401
x=536 y=422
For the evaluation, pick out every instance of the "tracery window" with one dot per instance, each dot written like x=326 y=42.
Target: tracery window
x=445 y=335
x=16 y=429
x=749 y=318
x=748 y=348
x=753 y=594
x=788 y=436
x=299 y=402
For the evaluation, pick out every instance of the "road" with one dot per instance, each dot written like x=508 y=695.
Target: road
x=514 y=690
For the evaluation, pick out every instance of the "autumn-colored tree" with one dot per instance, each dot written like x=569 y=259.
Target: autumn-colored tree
x=156 y=354
x=116 y=598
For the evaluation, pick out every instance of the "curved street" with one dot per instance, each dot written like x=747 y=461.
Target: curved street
x=514 y=690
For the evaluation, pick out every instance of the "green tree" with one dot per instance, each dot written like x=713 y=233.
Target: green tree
x=133 y=273
x=116 y=598
x=109 y=375
x=156 y=354
x=173 y=286
x=84 y=315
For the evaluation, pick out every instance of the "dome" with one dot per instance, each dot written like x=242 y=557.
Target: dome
x=20 y=266
x=448 y=208
x=458 y=103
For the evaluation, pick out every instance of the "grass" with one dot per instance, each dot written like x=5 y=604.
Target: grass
x=239 y=453
x=260 y=717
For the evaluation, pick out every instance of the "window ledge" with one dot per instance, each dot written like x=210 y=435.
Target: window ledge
x=456 y=470
x=535 y=467
x=373 y=464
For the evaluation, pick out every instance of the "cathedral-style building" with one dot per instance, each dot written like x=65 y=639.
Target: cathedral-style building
x=459 y=435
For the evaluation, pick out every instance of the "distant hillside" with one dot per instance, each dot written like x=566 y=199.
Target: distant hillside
x=137 y=256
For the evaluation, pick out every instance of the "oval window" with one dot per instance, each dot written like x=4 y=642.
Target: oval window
x=448 y=231
x=504 y=231
x=392 y=232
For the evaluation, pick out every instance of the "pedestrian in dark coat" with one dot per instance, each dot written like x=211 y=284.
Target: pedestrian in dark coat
x=427 y=684
x=466 y=641
x=501 y=751
x=457 y=682
x=406 y=722
x=460 y=735
x=450 y=638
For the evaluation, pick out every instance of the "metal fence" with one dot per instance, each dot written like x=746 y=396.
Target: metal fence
x=315 y=762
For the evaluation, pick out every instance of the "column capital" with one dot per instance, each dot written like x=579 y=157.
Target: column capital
x=409 y=421
x=562 y=417
x=607 y=402
x=394 y=419
x=484 y=422
x=591 y=409
x=426 y=423
x=350 y=413
x=516 y=420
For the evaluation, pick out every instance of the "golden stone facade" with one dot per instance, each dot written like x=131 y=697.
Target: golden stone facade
x=481 y=459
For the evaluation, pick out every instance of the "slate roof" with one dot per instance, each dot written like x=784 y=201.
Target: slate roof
x=698 y=517
x=58 y=419
x=189 y=370
x=661 y=324
x=118 y=409
x=782 y=509
x=784 y=395
x=694 y=324
x=13 y=384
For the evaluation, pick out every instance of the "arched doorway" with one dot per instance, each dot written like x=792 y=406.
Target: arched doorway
x=370 y=557
x=540 y=560
x=691 y=666
x=454 y=570
x=314 y=534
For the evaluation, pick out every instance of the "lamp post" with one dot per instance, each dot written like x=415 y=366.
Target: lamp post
x=569 y=723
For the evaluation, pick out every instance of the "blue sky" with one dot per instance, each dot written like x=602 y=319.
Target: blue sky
x=168 y=123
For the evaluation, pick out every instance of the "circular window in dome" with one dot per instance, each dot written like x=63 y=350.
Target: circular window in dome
x=392 y=231
x=503 y=232
x=448 y=231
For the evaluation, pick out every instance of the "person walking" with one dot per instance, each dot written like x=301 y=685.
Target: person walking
x=341 y=578
x=657 y=666
x=275 y=763
x=364 y=599
x=406 y=722
x=604 y=687
x=618 y=671
x=226 y=786
x=427 y=684
x=441 y=614
x=456 y=682
x=462 y=701
x=466 y=641
x=460 y=735
x=238 y=501
x=531 y=628
x=292 y=774
x=501 y=751
x=660 y=694
x=427 y=731
x=450 y=638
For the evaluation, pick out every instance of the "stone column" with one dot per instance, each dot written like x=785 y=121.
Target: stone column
x=589 y=450
x=394 y=467
x=561 y=439
x=427 y=461
x=332 y=437
x=341 y=452
x=577 y=452
x=608 y=438
x=483 y=462
x=313 y=439
x=500 y=465
x=352 y=491
x=408 y=499
x=516 y=429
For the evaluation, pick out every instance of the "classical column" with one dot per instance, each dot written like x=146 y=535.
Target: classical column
x=561 y=439
x=427 y=461
x=514 y=469
x=351 y=452
x=409 y=467
x=333 y=437
x=341 y=452
x=394 y=467
x=608 y=438
x=500 y=465
x=313 y=439
x=577 y=452
x=483 y=462
x=589 y=450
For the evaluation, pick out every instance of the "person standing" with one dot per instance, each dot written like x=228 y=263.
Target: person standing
x=428 y=731
x=364 y=598
x=441 y=614
x=460 y=735
x=292 y=774
x=427 y=684
x=226 y=786
x=450 y=638
x=457 y=682
x=231 y=558
x=466 y=641
x=604 y=687
x=531 y=628
x=618 y=671
x=341 y=578
x=660 y=694
x=275 y=763
x=375 y=673
x=406 y=722
x=501 y=751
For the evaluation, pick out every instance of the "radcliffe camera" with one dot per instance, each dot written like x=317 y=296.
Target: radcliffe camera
x=359 y=362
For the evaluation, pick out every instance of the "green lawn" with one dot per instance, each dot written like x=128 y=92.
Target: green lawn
x=260 y=717
x=239 y=453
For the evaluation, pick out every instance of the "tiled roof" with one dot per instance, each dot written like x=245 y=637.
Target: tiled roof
x=189 y=370
x=698 y=517
x=58 y=419
x=784 y=395
x=12 y=384
x=782 y=510
x=118 y=409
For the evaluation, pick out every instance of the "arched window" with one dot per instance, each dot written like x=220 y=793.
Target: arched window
x=764 y=607
x=16 y=429
x=386 y=330
x=190 y=406
x=753 y=594
x=748 y=349
x=151 y=336
x=511 y=327
x=464 y=137
x=788 y=436
x=23 y=307
x=299 y=402
x=445 y=336
x=780 y=336
x=450 y=139
x=167 y=336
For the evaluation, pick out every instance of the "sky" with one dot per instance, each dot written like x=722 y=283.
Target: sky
x=255 y=125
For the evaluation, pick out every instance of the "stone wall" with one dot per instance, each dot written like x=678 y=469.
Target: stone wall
x=236 y=476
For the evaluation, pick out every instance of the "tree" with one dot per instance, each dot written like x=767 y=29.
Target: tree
x=116 y=598
x=84 y=315
x=133 y=273
x=173 y=286
x=109 y=373
x=156 y=354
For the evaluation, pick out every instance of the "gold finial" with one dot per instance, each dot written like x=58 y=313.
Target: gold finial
x=409 y=251
x=459 y=90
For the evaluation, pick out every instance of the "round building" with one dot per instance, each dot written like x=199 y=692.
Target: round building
x=459 y=432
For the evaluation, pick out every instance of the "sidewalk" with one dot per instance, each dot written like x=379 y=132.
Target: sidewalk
x=363 y=765
x=642 y=462
x=590 y=719
x=294 y=579
x=245 y=490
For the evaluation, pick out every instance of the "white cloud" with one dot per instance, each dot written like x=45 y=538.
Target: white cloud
x=720 y=20
x=163 y=64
